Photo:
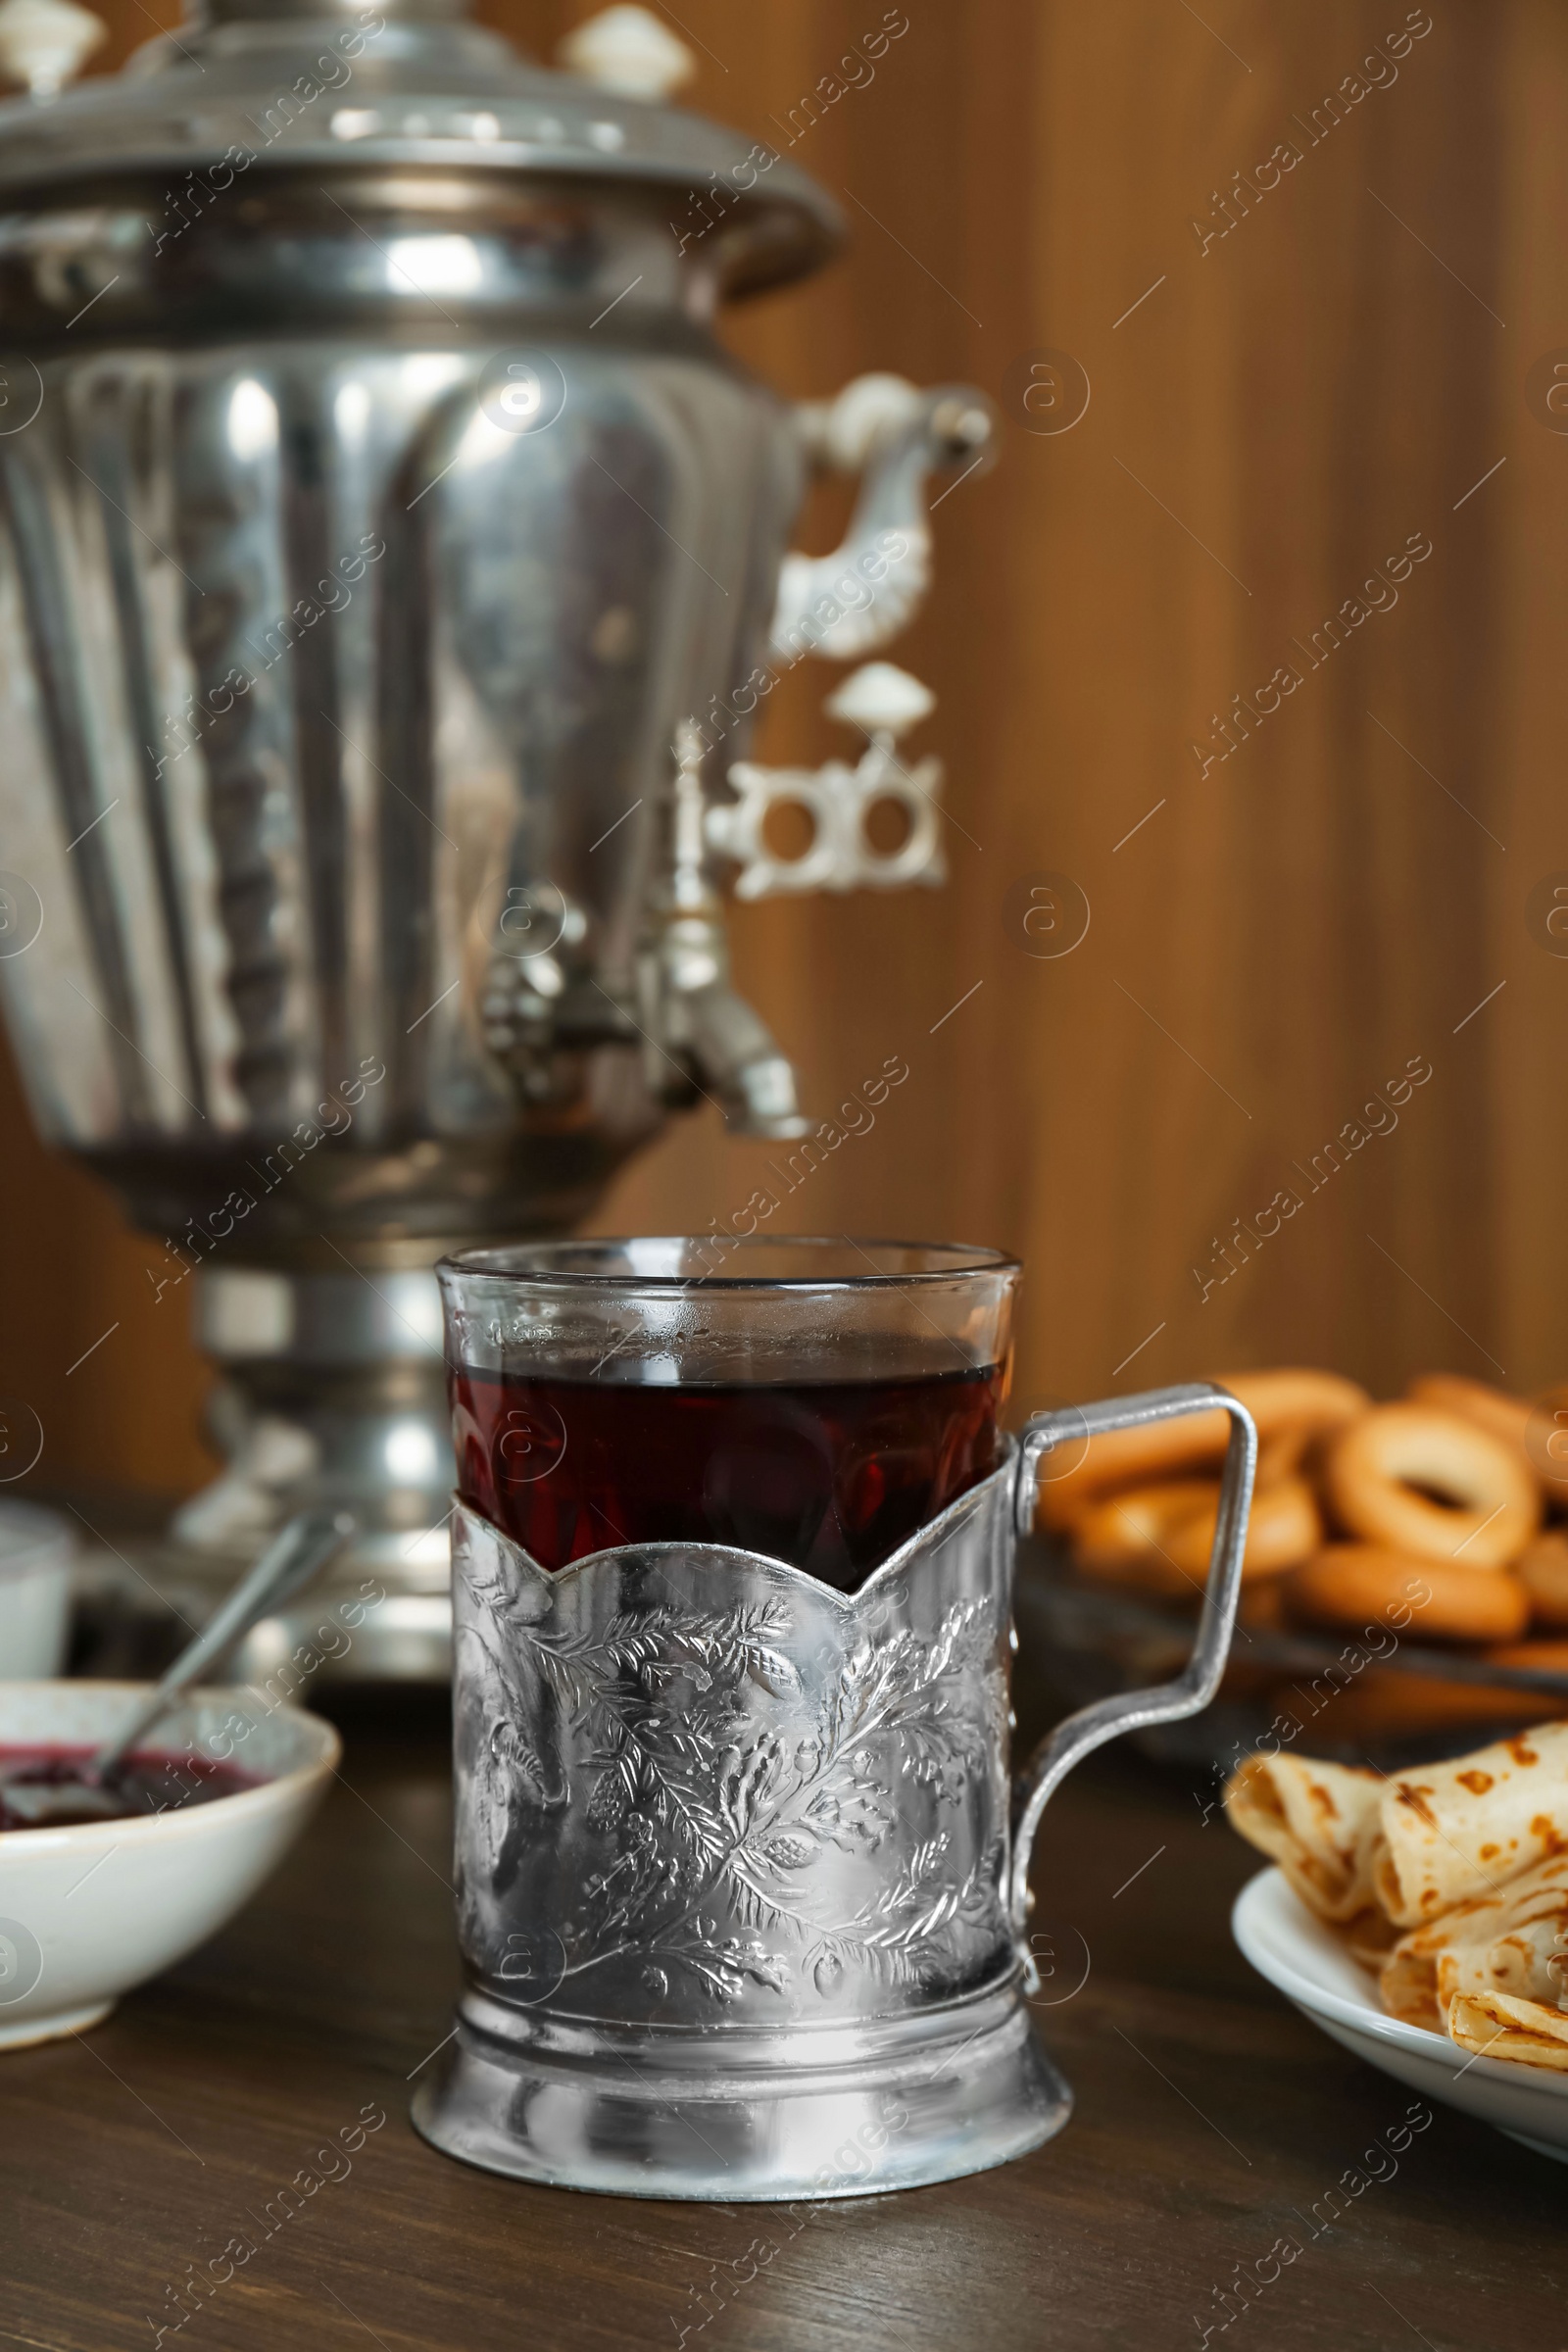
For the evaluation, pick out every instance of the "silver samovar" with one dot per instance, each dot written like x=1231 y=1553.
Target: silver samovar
x=391 y=565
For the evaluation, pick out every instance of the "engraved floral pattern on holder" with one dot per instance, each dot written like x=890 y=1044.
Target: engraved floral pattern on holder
x=716 y=1782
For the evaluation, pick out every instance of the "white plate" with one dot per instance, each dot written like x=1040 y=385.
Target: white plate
x=1310 y=1965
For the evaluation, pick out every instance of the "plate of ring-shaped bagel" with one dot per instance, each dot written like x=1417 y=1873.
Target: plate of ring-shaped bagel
x=1411 y=1554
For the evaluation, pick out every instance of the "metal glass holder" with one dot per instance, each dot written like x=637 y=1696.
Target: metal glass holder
x=741 y=1880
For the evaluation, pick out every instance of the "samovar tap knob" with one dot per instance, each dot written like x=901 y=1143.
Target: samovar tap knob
x=46 y=43
x=630 y=51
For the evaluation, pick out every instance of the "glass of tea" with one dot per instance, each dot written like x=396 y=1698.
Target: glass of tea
x=816 y=1401
x=740 y=1861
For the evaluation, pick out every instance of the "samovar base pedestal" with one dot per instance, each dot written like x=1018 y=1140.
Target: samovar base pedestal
x=332 y=1396
x=731 y=2115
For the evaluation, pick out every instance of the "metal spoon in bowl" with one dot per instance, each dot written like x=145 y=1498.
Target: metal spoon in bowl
x=299 y=1552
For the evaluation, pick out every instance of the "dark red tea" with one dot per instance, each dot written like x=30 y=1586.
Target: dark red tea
x=830 y=1476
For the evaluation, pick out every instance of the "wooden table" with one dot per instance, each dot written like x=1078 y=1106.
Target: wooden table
x=1210 y=2118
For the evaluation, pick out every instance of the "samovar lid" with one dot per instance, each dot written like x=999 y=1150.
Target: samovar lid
x=314 y=83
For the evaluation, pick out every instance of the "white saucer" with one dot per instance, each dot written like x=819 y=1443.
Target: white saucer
x=1308 y=1964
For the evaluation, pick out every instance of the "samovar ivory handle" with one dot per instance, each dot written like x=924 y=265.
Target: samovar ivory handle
x=1197 y=1684
x=46 y=43
x=846 y=604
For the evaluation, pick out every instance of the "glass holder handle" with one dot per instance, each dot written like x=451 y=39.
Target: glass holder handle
x=1193 y=1689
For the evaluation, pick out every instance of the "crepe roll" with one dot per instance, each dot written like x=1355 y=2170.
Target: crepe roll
x=1499 y=2025
x=1513 y=1939
x=1452 y=1831
x=1316 y=1821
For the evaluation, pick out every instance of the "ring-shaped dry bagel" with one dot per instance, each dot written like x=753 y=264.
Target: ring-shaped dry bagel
x=1283 y=1527
x=1356 y=1585
x=1294 y=1412
x=1543 y=1568
x=1296 y=1397
x=1546 y=1657
x=1124 y=1538
x=1507 y=1417
x=1546 y=1446
x=1293 y=1405
x=1283 y=1455
x=1080 y=1471
x=1383 y=1473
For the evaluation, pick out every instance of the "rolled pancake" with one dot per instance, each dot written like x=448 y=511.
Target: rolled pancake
x=1453 y=1832
x=1369 y=1937
x=1498 y=2024
x=1316 y=1821
x=1513 y=1941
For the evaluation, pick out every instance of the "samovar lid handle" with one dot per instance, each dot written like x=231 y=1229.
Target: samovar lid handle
x=628 y=50
x=46 y=43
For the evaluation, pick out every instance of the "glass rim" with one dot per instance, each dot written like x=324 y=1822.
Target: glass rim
x=966 y=1260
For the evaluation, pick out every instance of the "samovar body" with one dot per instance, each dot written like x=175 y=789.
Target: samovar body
x=319 y=720
x=377 y=506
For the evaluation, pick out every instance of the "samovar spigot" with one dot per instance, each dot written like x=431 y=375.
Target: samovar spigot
x=699 y=1035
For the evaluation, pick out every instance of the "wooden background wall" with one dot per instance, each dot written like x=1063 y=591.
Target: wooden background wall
x=1277 y=414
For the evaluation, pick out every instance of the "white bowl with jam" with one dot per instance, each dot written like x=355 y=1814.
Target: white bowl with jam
x=214 y=1796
